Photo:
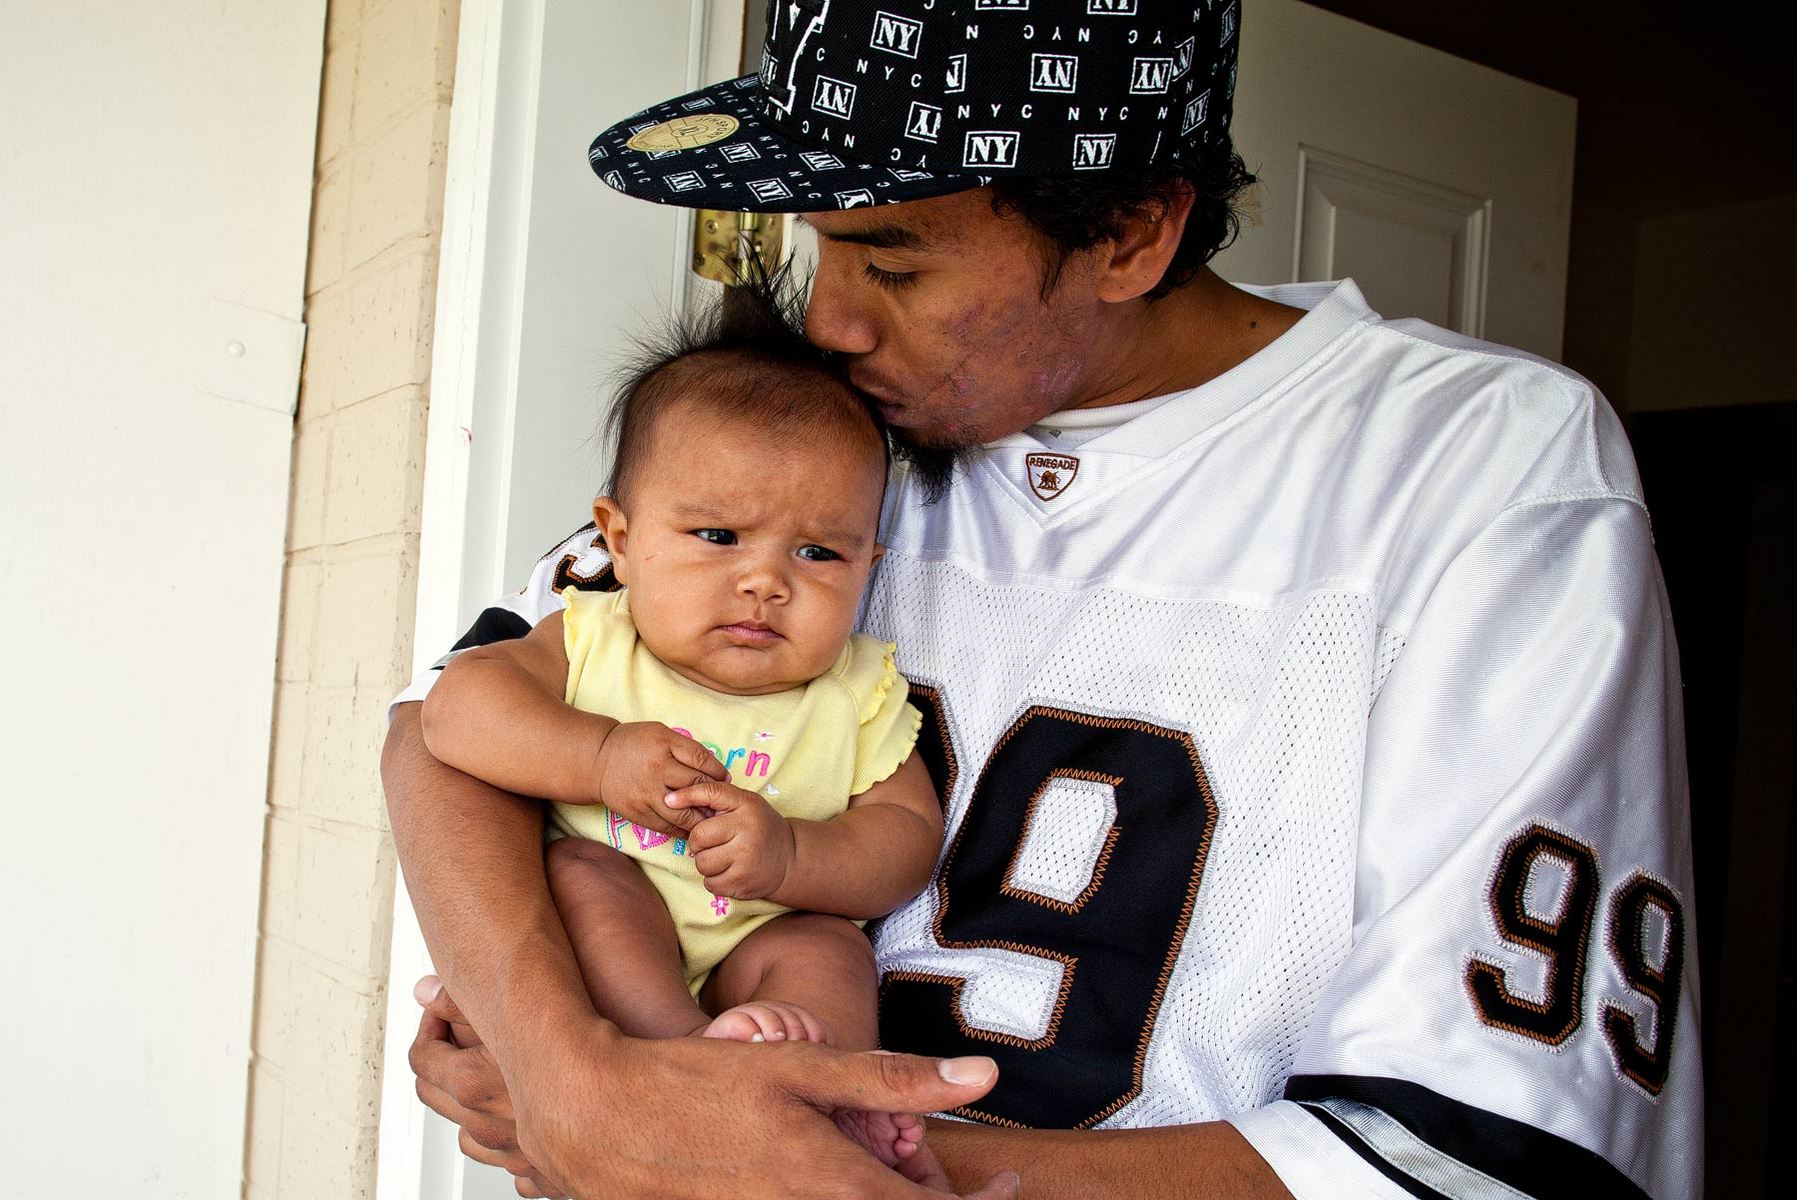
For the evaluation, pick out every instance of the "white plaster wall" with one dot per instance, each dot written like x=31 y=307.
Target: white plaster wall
x=1694 y=345
x=155 y=183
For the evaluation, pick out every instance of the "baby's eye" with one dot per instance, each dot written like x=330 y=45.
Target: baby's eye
x=717 y=537
x=818 y=554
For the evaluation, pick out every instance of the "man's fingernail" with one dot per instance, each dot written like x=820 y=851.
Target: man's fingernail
x=668 y=799
x=426 y=989
x=967 y=1071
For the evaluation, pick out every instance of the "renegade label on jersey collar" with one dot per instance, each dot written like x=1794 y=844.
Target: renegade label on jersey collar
x=684 y=133
x=1051 y=473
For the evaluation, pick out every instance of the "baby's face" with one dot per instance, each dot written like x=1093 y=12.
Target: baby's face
x=745 y=557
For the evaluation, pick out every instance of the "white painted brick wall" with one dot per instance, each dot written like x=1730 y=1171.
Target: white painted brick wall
x=349 y=596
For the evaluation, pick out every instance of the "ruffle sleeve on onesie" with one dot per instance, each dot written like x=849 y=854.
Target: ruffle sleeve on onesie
x=887 y=724
x=596 y=626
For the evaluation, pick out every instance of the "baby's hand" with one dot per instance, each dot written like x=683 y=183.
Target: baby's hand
x=640 y=763
x=744 y=848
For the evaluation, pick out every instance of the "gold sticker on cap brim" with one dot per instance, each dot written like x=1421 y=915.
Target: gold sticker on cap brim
x=684 y=133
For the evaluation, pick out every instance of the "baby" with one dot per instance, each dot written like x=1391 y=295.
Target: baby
x=731 y=767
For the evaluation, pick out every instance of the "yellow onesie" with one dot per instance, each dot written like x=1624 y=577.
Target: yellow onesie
x=792 y=747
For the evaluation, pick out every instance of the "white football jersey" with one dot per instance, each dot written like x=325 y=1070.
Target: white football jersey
x=1311 y=756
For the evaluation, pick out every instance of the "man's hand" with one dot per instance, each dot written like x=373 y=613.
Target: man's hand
x=687 y=1117
x=640 y=763
x=744 y=848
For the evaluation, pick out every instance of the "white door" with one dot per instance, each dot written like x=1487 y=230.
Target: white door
x=1442 y=187
x=155 y=186
x=546 y=273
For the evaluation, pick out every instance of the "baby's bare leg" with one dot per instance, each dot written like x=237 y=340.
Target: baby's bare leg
x=824 y=967
x=623 y=939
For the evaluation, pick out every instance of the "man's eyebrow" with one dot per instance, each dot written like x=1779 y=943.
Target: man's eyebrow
x=880 y=237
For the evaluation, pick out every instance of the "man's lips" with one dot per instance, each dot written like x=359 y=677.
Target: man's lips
x=751 y=633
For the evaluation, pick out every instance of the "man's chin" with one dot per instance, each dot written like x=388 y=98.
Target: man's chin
x=932 y=466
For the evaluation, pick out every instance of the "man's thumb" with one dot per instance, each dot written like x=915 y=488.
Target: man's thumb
x=434 y=997
x=905 y=1082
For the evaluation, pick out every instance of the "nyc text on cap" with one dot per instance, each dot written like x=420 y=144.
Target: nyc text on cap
x=879 y=101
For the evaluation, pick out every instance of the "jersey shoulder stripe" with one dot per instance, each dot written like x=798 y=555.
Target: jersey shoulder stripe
x=1432 y=1145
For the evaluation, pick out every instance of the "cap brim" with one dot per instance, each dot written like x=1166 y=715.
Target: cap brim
x=711 y=149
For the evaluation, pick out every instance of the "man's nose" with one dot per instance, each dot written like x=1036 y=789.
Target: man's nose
x=836 y=317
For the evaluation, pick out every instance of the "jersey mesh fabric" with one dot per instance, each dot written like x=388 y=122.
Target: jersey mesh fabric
x=1270 y=696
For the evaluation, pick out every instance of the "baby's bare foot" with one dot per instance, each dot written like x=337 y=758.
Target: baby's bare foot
x=889 y=1137
x=767 y=1021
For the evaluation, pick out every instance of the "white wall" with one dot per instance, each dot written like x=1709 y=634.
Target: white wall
x=1696 y=346
x=155 y=184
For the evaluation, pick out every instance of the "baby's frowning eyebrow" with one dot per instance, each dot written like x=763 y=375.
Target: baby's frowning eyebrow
x=714 y=517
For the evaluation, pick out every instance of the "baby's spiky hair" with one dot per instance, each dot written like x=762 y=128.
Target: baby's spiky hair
x=744 y=358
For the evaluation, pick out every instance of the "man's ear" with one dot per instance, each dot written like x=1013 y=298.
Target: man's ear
x=1150 y=238
x=613 y=527
x=879 y=553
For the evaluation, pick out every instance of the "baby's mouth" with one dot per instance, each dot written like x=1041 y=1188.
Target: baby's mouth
x=751 y=633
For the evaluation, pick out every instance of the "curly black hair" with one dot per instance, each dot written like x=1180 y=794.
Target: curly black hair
x=1076 y=212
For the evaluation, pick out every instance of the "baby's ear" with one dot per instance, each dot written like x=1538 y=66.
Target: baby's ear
x=613 y=527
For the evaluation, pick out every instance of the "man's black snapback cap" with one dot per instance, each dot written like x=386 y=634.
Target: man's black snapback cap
x=878 y=101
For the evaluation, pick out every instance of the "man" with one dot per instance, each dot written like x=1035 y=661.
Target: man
x=1299 y=687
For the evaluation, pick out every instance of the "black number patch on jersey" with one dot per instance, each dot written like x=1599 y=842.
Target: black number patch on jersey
x=1116 y=941
x=1660 y=983
x=934 y=743
x=1562 y=939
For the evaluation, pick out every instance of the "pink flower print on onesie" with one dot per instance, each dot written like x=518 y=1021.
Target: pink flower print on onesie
x=720 y=905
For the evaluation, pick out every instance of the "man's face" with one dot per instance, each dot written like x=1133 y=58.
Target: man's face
x=938 y=307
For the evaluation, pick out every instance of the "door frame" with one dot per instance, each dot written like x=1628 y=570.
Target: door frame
x=473 y=407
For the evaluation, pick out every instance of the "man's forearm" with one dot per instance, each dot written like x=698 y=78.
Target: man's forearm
x=473 y=862
x=1177 y=1162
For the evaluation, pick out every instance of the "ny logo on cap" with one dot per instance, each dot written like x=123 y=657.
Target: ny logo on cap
x=1054 y=73
x=768 y=189
x=834 y=97
x=924 y=121
x=896 y=35
x=1183 y=55
x=821 y=160
x=1093 y=151
x=990 y=148
x=1228 y=30
x=1196 y=109
x=1111 y=8
x=685 y=181
x=738 y=152
x=1151 y=76
x=957 y=74
x=859 y=198
x=1001 y=5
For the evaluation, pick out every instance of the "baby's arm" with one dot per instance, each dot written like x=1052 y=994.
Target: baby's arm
x=861 y=863
x=865 y=862
x=498 y=714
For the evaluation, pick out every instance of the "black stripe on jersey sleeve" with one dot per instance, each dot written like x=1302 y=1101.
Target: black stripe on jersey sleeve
x=493 y=625
x=1527 y=1159
x=1359 y=1146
